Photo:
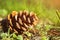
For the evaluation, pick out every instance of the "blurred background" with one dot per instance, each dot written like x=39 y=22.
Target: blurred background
x=43 y=8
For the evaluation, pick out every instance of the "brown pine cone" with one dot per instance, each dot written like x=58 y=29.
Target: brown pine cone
x=19 y=22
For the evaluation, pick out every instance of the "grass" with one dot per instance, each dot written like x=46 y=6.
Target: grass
x=8 y=36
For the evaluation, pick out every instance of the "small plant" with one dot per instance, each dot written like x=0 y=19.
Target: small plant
x=8 y=36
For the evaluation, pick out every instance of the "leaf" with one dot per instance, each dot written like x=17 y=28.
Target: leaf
x=45 y=38
x=14 y=35
x=20 y=37
x=3 y=35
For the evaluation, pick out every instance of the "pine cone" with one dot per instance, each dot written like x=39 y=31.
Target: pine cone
x=19 y=21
